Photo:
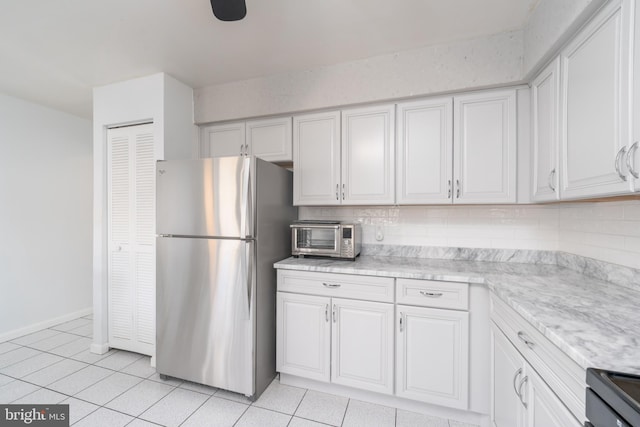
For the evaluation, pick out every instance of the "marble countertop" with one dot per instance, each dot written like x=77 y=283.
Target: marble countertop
x=596 y=323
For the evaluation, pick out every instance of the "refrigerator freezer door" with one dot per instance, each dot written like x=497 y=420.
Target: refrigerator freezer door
x=206 y=311
x=207 y=197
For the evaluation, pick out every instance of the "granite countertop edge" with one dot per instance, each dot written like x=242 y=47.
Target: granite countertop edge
x=562 y=304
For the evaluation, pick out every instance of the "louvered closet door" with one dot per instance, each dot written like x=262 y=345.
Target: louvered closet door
x=131 y=156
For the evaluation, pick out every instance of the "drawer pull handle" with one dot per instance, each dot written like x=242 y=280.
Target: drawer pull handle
x=331 y=285
x=523 y=337
x=431 y=294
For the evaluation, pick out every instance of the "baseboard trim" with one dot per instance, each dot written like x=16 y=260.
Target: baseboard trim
x=385 y=400
x=44 y=324
x=97 y=348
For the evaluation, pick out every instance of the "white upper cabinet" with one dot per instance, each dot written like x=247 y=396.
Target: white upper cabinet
x=270 y=139
x=633 y=153
x=222 y=140
x=545 y=109
x=368 y=155
x=484 y=147
x=424 y=151
x=316 y=159
x=357 y=169
x=595 y=91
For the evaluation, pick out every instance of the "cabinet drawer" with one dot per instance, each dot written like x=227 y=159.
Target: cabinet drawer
x=433 y=293
x=564 y=376
x=369 y=288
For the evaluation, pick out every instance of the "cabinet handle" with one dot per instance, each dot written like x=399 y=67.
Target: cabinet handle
x=522 y=382
x=620 y=153
x=523 y=337
x=552 y=175
x=342 y=191
x=337 y=190
x=331 y=285
x=326 y=312
x=457 y=188
x=630 y=158
x=401 y=322
x=333 y=313
x=515 y=377
x=431 y=294
x=242 y=149
x=449 y=191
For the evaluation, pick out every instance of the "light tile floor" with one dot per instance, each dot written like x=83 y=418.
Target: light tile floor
x=120 y=388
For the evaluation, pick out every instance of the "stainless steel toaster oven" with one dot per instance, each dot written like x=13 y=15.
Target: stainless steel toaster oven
x=326 y=239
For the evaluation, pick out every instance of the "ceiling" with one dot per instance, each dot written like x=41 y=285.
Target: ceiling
x=55 y=52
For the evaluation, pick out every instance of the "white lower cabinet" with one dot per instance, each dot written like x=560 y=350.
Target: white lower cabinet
x=362 y=345
x=347 y=342
x=520 y=398
x=433 y=355
x=303 y=338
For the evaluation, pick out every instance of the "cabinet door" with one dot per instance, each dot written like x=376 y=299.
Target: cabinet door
x=303 y=334
x=222 y=140
x=633 y=156
x=425 y=151
x=362 y=345
x=433 y=356
x=368 y=156
x=545 y=110
x=507 y=368
x=484 y=147
x=544 y=408
x=595 y=107
x=270 y=139
x=316 y=159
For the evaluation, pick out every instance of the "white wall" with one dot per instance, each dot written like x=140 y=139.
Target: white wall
x=167 y=103
x=45 y=216
x=549 y=27
x=609 y=231
x=487 y=61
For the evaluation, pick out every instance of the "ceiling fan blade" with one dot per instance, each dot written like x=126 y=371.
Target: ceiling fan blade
x=229 y=10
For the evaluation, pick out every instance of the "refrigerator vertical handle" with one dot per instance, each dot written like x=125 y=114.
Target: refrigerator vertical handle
x=245 y=215
x=248 y=254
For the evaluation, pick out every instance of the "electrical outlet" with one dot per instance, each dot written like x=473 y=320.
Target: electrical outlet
x=379 y=233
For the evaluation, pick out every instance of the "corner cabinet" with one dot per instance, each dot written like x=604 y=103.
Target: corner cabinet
x=545 y=109
x=268 y=139
x=595 y=105
x=484 y=147
x=344 y=157
x=534 y=384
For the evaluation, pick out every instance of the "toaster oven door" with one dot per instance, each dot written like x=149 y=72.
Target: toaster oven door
x=321 y=240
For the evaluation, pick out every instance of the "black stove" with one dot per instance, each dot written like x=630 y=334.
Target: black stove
x=613 y=399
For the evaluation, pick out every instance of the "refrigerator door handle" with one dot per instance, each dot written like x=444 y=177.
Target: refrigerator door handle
x=248 y=254
x=245 y=215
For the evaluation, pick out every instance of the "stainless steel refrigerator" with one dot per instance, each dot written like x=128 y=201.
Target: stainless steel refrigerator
x=221 y=224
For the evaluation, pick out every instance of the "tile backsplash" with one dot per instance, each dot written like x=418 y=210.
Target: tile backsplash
x=609 y=231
